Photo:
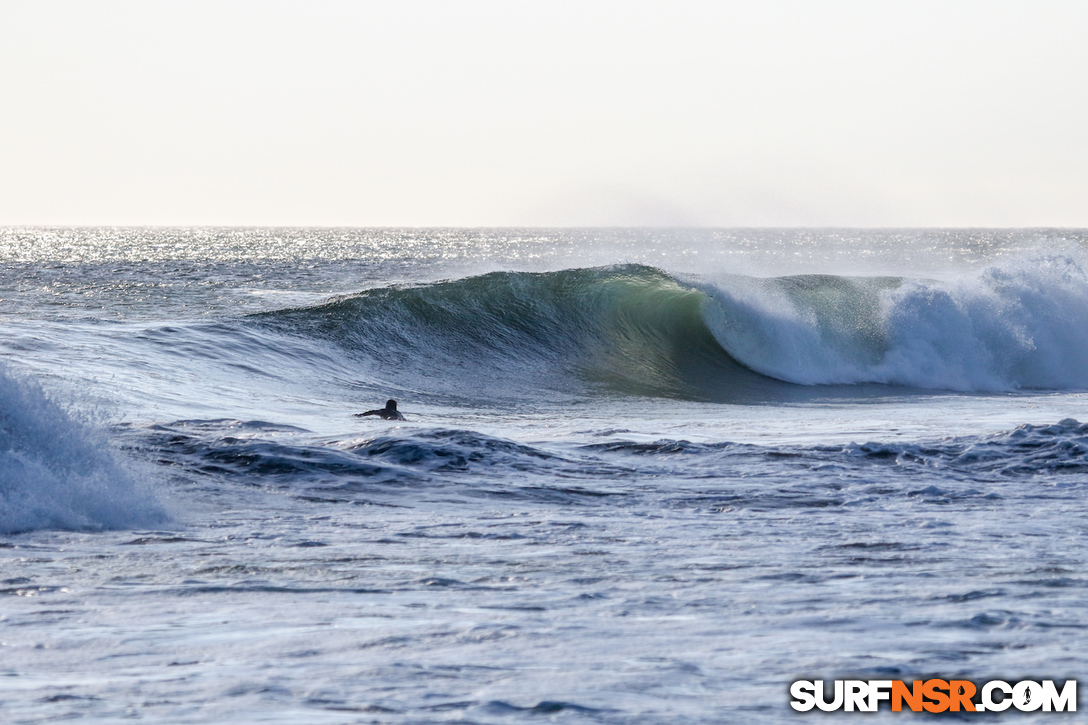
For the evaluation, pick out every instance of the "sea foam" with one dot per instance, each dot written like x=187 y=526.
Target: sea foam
x=1019 y=323
x=58 y=473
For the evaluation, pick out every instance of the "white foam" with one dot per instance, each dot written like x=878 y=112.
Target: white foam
x=56 y=473
x=1020 y=323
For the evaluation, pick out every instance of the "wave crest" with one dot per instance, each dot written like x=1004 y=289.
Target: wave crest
x=56 y=474
x=1018 y=324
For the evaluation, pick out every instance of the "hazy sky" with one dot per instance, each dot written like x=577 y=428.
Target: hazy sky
x=770 y=112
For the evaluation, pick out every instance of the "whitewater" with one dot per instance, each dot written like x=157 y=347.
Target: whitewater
x=645 y=476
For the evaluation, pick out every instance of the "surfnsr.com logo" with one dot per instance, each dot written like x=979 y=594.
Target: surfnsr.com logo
x=935 y=696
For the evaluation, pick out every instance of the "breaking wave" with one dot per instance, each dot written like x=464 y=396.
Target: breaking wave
x=56 y=473
x=1018 y=324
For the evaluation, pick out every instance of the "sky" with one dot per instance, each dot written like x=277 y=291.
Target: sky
x=557 y=113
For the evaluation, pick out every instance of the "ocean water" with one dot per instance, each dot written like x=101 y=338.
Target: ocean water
x=646 y=475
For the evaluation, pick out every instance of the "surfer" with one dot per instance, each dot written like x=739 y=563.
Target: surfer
x=389 y=412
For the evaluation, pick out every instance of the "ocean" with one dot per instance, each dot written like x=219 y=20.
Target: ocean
x=646 y=476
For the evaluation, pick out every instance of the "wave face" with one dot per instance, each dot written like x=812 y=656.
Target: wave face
x=630 y=328
x=1018 y=324
x=57 y=474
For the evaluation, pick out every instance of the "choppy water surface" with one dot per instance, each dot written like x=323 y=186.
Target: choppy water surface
x=647 y=476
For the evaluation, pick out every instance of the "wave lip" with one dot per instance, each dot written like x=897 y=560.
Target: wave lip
x=1019 y=323
x=56 y=473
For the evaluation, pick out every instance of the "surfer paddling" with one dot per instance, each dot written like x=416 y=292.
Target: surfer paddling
x=389 y=412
